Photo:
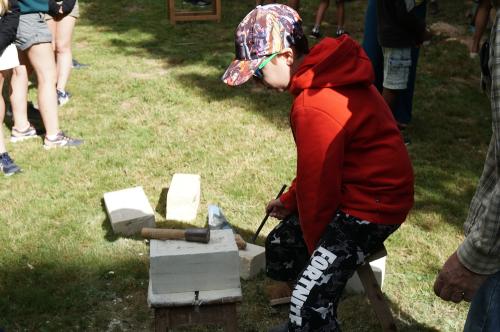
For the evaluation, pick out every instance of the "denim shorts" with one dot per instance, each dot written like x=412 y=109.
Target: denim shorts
x=397 y=64
x=32 y=30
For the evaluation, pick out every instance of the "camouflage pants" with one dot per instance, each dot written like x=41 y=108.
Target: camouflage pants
x=320 y=277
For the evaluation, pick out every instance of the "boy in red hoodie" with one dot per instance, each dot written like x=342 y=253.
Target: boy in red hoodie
x=354 y=181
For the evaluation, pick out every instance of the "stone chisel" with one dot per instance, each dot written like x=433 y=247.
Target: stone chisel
x=267 y=216
x=191 y=234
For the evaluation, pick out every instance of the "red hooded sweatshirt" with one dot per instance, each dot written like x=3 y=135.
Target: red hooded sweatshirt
x=350 y=154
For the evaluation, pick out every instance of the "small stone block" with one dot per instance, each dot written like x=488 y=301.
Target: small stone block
x=179 y=266
x=252 y=261
x=183 y=197
x=354 y=285
x=190 y=298
x=129 y=210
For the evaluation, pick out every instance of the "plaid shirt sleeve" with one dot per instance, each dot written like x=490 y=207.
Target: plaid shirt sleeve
x=480 y=251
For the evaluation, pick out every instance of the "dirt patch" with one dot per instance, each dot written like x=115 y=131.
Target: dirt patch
x=447 y=30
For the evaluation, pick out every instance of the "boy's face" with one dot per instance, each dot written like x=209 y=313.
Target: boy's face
x=278 y=72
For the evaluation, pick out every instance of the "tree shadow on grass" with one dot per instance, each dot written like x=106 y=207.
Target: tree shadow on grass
x=77 y=295
x=72 y=295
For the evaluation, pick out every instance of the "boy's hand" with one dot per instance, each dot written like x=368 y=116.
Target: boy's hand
x=277 y=210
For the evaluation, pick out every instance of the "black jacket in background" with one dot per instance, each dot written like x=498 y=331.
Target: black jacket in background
x=8 y=25
x=398 y=27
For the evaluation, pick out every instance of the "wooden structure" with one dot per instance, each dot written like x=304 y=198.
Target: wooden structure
x=195 y=15
x=374 y=293
x=196 y=308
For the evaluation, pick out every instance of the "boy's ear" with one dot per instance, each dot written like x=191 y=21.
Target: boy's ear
x=289 y=55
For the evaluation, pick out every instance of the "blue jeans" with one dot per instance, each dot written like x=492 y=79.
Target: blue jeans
x=484 y=311
x=404 y=103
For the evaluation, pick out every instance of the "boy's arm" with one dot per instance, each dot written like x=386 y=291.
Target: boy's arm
x=8 y=25
x=320 y=154
x=405 y=13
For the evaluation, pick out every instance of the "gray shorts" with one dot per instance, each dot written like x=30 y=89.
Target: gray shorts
x=397 y=64
x=32 y=30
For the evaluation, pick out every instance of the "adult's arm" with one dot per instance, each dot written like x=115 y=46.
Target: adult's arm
x=480 y=251
x=320 y=152
x=8 y=25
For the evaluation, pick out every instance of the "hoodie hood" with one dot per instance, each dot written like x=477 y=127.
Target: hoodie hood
x=333 y=62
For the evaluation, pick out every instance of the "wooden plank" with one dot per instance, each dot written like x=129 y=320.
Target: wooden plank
x=376 y=298
x=281 y=300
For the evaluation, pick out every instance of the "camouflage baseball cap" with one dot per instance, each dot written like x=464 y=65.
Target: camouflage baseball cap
x=265 y=30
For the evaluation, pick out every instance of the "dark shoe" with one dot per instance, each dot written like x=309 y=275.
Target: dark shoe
x=61 y=141
x=315 y=33
x=279 y=328
x=340 y=32
x=78 y=65
x=7 y=165
x=62 y=97
x=406 y=137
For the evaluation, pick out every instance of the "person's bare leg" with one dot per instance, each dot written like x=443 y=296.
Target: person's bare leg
x=19 y=93
x=2 y=115
x=295 y=4
x=42 y=60
x=320 y=14
x=390 y=97
x=340 y=16
x=64 y=56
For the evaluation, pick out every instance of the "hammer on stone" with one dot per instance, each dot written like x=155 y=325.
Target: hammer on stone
x=191 y=234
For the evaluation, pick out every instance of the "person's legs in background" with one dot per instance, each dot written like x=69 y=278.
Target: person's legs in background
x=320 y=14
x=404 y=104
x=22 y=129
x=41 y=58
x=7 y=165
x=62 y=30
x=340 y=17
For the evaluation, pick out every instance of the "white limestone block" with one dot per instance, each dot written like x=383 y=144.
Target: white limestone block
x=180 y=266
x=354 y=285
x=190 y=298
x=183 y=197
x=129 y=210
x=252 y=261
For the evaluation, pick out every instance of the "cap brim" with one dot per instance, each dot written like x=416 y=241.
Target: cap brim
x=240 y=71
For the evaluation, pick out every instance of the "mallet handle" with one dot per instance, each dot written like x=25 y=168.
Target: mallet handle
x=163 y=233
x=267 y=216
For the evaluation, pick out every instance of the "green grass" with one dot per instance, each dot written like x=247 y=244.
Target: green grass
x=152 y=105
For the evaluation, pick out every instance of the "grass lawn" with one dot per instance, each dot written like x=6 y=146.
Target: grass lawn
x=151 y=104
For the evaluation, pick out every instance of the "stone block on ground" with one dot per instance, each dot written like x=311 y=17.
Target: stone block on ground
x=183 y=197
x=179 y=266
x=354 y=285
x=129 y=210
x=252 y=261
